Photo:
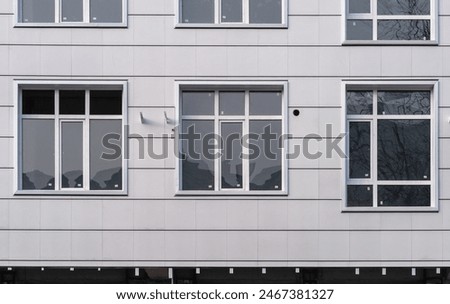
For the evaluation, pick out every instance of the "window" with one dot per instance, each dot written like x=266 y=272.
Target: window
x=72 y=12
x=71 y=139
x=389 y=20
x=231 y=140
x=232 y=12
x=390 y=147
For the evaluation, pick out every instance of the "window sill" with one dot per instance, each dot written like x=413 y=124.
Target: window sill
x=70 y=193
x=229 y=26
x=231 y=193
x=390 y=43
x=70 y=25
x=389 y=209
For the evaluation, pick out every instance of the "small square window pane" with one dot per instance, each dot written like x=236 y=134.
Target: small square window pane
x=403 y=7
x=105 y=154
x=232 y=103
x=197 y=160
x=360 y=196
x=359 y=158
x=359 y=102
x=359 y=30
x=404 y=102
x=197 y=11
x=404 y=149
x=266 y=11
x=404 y=30
x=72 y=102
x=72 y=154
x=266 y=158
x=42 y=11
x=404 y=196
x=231 y=10
x=265 y=103
x=359 y=6
x=198 y=103
x=72 y=10
x=106 y=102
x=38 y=154
x=38 y=102
x=106 y=11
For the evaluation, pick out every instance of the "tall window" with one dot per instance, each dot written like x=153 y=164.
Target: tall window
x=71 y=139
x=390 y=20
x=231 y=141
x=71 y=11
x=390 y=148
x=232 y=11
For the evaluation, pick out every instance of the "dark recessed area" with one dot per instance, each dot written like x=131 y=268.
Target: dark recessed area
x=296 y=112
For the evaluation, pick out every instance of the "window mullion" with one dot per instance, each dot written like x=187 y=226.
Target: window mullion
x=245 y=148
x=375 y=149
x=375 y=19
x=86 y=148
x=57 y=144
x=86 y=11
x=217 y=167
x=217 y=11
x=246 y=11
x=58 y=8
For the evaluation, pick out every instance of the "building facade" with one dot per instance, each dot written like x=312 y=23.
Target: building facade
x=110 y=172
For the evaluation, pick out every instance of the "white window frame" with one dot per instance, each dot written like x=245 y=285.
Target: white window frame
x=20 y=85
x=373 y=15
x=218 y=20
x=234 y=86
x=379 y=85
x=58 y=17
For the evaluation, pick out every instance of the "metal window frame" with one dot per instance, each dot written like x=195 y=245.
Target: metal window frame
x=379 y=85
x=58 y=85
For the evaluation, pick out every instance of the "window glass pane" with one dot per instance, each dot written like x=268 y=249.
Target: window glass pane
x=232 y=103
x=38 y=11
x=403 y=149
x=265 y=103
x=197 y=161
x=231 y=158
x=359 y=6
x=231 y=10
x=404 y=103
x=105 y=144
x=265 y=11
x=197 y=11
x=265 y=164
x=359 y=150
x=359 y=30
x=404 y=30
x=38 y=154
x=360 y=196
x=72 y=154
x=106 y=102
x=72 y=10
x=403 y=7
x=38 y=102
x=415 y=195
x=359 y=102
x=106 y=11
x=72 y=102
x=198 y=103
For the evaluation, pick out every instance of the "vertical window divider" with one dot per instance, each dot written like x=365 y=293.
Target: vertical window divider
x=374 y=148
x=86 y=11
x=374 y=12
x=58 y=9
x=57 y=143
x=217 y=11
x=246 y=11
x=86 y=142
x=217 y=167
x=245 y=148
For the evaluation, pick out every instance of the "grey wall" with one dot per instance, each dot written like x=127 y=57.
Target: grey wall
x=151 y=226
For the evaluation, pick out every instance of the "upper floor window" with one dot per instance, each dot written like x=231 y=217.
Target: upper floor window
x=388 y=20
x=231 y=140
x=233 y=12
x=71 y=139
x=391 y=138
x=75 y=12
